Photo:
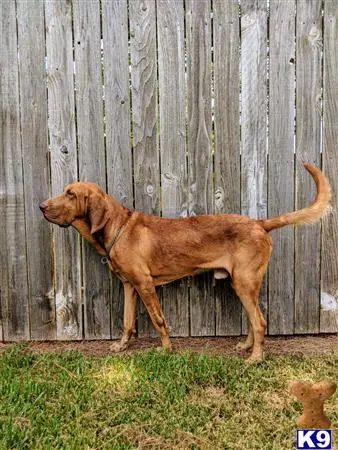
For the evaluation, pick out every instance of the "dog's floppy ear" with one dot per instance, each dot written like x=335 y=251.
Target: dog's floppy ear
x=97 y=212
x=83 y=227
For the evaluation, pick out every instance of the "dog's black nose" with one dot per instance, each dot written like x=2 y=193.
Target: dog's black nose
x=43 y=206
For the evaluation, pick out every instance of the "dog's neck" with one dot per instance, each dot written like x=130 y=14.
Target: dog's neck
x=117 y=217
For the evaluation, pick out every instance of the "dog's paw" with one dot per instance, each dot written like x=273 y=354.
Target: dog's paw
x=242 y=346
x=164 y=349
x=117 y=347
x=254 y=359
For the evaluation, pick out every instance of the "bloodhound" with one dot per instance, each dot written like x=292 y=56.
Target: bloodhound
x=145 y=251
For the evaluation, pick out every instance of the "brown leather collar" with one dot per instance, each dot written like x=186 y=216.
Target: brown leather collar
x=117 y=235
x=115 y=238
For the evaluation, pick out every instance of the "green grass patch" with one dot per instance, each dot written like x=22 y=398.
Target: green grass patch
x=152 y=400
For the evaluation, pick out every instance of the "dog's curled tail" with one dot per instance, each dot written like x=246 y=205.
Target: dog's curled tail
x=312 y=212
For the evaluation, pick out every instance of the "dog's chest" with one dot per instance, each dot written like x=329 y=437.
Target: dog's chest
x=116 y=270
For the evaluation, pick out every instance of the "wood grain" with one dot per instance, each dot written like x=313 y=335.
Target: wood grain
x=144 y=117
x=117 y=123
x=91 y=155
x=199 y=149
x=62 y=141
x=227 y=176
x=14 y=306
x=329 y=266
x=281 y=163
x=174 y=199
x=254 y=117
x=308 y=129
x=33 y=109
x=170 y=102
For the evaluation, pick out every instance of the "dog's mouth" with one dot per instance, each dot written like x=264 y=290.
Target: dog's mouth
x=54 y=220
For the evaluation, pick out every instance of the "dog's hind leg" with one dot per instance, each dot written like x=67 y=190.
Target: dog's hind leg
x=129 y=318
x=147 y=292
x=247 y=288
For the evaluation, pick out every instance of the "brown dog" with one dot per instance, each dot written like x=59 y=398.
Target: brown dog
x=145 y=251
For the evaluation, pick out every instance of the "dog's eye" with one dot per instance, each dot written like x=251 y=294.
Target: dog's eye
x=70 y=194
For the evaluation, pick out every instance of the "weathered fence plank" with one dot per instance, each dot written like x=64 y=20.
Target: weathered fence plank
x=329 y=266
x=14 y=307
x=144 y=117
x=62 y=141
x=281 y=163
x=254 y=117
x=200 y=169
x=117 y=123
x=91 y=155
x=174 y=201
x=308 y=129
x=32 y=66
x=227 y=145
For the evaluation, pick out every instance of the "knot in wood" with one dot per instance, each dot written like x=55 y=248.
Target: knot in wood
x=168 y=177
x=314 y=36
x=219 y=198
x=150 y=190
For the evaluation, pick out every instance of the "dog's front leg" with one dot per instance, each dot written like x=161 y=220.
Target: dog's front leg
x=249 y=341
x=147 y=292
x=129 y=318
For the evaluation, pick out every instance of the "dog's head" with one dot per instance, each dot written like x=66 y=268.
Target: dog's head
x=83 y=200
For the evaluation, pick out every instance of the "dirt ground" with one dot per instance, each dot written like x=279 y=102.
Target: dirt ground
x=303 y=345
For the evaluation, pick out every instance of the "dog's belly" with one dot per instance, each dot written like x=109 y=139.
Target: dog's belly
x=165 y=279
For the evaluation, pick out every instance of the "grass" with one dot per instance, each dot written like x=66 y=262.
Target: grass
x=152 y=400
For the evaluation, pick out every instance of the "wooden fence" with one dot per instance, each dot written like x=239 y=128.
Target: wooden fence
x=176 y=107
